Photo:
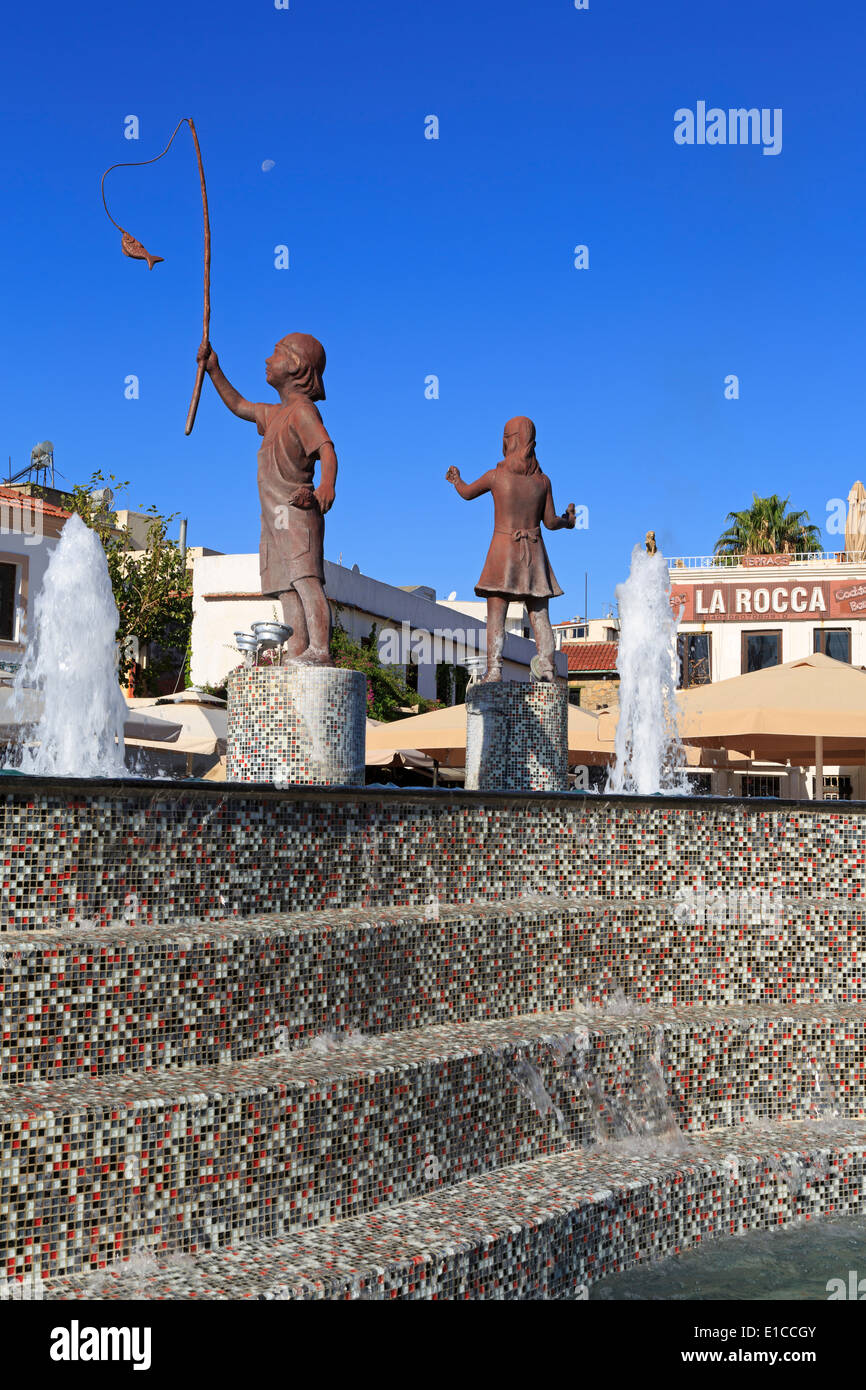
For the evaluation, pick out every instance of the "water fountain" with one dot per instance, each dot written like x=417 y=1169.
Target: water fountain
x=555 y=1046
x=72 y=662
x=649 y=755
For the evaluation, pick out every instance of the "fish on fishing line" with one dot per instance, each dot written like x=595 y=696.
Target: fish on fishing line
x=137 y=252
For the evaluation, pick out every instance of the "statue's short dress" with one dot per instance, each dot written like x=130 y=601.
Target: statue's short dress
x=292 y=541
x=517 y=565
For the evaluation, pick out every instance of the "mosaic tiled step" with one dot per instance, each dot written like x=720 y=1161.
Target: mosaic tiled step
x=95 y=1001
x=73 y=847
x=538 y=1230
x=176 y=1158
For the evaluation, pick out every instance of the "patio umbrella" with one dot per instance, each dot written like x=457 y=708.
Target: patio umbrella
x=201 y=720
x=137 y=726
x=442 y=735
x=804 y=711
x=855 y=525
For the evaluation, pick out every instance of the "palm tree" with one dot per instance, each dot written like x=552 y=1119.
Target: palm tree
x=768 y=528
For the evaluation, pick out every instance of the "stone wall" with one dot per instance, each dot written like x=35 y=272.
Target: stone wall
x=595 y=695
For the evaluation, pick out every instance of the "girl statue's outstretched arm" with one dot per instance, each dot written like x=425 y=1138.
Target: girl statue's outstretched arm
x=468 y=491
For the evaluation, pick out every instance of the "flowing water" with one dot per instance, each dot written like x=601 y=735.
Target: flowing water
x=816 y=1260
x=70 y=667
x=648 y=754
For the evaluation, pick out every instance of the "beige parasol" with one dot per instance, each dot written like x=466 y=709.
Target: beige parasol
x=27 y=710
x=855 y=526
x=442 y=735
x=202 y=721
x=803 y=711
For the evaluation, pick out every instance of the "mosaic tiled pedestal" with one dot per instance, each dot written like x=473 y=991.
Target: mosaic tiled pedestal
x=296 y=725
x=517 y=736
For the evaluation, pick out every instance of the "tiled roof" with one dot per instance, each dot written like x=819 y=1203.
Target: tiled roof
x=9 y=495
x=591 y=656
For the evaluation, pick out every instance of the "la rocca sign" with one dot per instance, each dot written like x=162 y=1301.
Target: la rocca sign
x=746 y=602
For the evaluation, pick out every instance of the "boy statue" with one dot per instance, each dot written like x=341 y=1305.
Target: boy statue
x=517 y=566
x=291 y=553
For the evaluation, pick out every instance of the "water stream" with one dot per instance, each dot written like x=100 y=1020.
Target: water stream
x=70 y=668
x=649 y=756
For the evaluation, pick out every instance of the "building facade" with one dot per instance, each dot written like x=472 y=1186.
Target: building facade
x=737 y=614
x=586 y=630
x=593 y=680
x=29 y=530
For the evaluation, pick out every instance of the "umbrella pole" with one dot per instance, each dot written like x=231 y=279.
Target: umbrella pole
x=819 y=767
x=435 y=773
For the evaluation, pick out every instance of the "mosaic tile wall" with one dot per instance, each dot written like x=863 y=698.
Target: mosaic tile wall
x=182 y=1159
x=563 y=1223
x=160 y=854
x=517 y=736
x=441 y=1045
x=96 y=1002
x=545 y=1229
x=304 y=725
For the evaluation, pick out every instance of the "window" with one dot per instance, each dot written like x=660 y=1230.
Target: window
x=760 y=650
x=574 y=696
x=693 y=650
x=761 y=786
x=838 y=789
x=834 y=641
x=8 y=590
x=700 y=783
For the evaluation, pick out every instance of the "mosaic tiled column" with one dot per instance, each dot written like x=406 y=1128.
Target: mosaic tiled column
x=517 y=736
x=297 y=725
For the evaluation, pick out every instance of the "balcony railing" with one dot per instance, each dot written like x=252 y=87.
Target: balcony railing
x=801 y=558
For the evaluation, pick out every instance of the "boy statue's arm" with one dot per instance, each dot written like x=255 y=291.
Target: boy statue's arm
x=468 y=491
x=328 y=479
x=244 y=409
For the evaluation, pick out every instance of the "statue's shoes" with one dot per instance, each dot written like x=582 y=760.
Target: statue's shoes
x=542 y=670
x=310 y=657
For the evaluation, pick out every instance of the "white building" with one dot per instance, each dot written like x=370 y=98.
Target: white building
x=414 y=630
x=586 y=630
x=516 y=616
x=742 y=613
x=29 y=531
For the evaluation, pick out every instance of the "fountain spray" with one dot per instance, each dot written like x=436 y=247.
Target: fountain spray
x=648 y=752
x=71 y=660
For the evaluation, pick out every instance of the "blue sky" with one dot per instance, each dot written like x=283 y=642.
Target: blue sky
x=411 y=257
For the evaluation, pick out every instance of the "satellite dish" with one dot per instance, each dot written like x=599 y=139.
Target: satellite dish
x=452 y=596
